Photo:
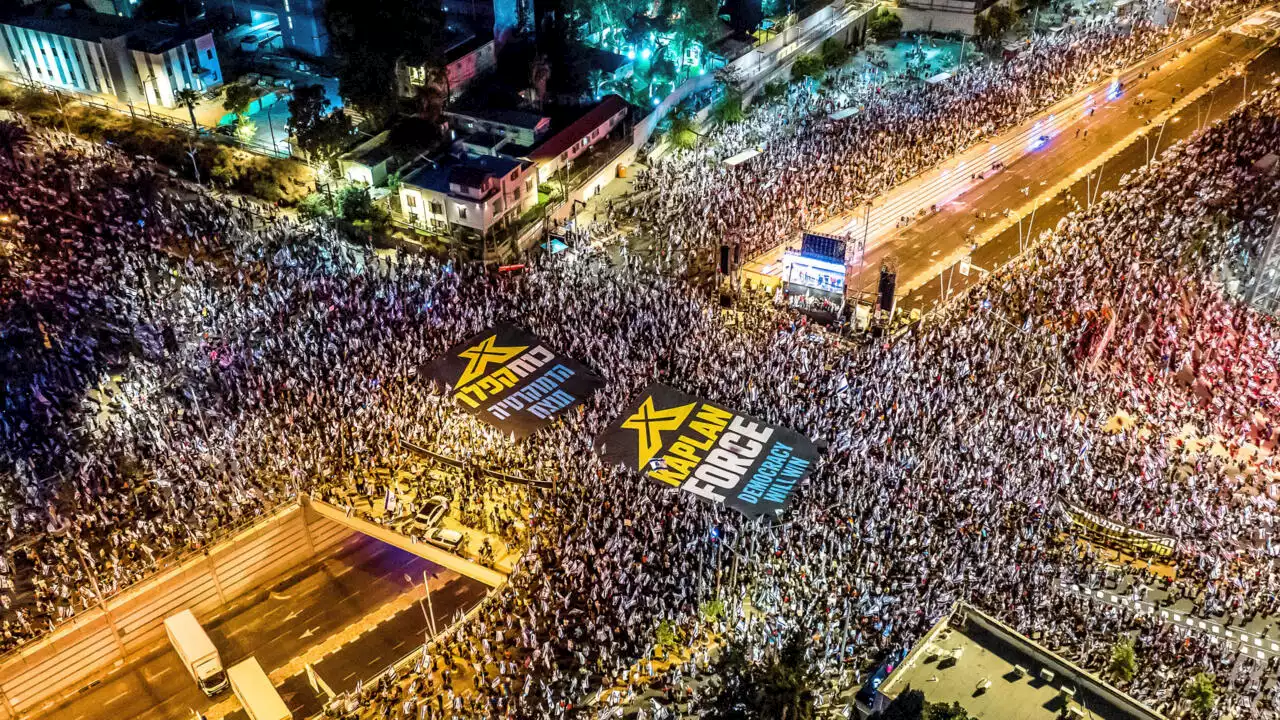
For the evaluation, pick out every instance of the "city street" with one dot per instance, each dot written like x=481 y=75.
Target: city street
x=922 y=281
x=929 y=244
x=328 y=609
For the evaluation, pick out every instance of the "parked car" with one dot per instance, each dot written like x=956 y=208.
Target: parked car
x=445 y=538
x=429 y=516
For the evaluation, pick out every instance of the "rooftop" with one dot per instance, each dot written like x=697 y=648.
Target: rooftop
x=471 y=171
x=94 y=27
x=514 y=118
x=595 y=117
x=466 y=46
x=986 y=650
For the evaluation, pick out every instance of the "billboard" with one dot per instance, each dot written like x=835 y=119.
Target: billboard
x=511 y=380
x=709 y=451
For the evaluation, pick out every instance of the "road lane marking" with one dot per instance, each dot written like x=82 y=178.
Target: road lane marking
x=157 y=676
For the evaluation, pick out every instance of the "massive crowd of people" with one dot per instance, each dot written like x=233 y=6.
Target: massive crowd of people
x=174 y=364
x=812 y=167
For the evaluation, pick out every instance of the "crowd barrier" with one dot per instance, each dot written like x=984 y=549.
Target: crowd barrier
x=460 y=464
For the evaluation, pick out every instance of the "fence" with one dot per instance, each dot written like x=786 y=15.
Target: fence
x=149 y=114
x=491 y=474
x=132 y=622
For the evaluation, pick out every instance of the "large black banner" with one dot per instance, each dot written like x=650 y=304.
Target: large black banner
x=714 y=453
x=508 y=378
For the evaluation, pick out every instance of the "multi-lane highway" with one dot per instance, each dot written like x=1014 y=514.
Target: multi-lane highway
x=1084 y=133
x=349 y=615
x=923 y=279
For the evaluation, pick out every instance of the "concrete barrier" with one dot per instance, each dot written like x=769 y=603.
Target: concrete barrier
x=82 y=649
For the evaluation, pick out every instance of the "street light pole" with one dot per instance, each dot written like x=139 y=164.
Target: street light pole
x=431 y=619
x=274 y=148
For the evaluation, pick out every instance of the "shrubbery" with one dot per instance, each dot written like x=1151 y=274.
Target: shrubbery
x=270 y=179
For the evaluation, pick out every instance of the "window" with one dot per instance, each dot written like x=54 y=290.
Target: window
x=411 y=200
x=462 y=212
x=209 y=54
x=437 y=208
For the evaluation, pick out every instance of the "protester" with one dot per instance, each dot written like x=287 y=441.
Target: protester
x=812 y=168
x=176 y=364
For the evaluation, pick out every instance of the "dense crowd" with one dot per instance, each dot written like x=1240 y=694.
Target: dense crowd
x=812 y=168
x=173 y=366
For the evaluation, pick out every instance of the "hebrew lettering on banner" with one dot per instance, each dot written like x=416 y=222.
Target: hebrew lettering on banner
x=511 y=380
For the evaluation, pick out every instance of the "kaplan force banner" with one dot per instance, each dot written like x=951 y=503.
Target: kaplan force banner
x=508 y=378
x=714 y=453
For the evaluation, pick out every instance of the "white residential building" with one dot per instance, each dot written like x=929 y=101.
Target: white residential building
x=478 y=193
x=100 y=54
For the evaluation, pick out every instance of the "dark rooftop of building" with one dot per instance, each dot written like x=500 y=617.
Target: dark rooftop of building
x=466 y=46
x=470 y=171
x=95 y=27
x=514 y=118
x=969 y=650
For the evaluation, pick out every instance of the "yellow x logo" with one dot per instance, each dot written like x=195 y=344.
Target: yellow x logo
x=481 y=356
x=649 y=424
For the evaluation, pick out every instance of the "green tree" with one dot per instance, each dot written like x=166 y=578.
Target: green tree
x=372 y=40
x=943 y=711
x=806 y=66
x=1201 y=692
x=712 y=610
x=834 y=53
x=238 y=99
x=189 y=97
x=774 y=90
x=356 y=206
x=698 y=22
x=994 y=23
x=785 y=686
x=321 y=134
x=734 y=697
x=245 y=130
x=884 y=25
x=682 y=129
x=909 y=705
x=1124 y=661
x=664 y=635
x=728 y=109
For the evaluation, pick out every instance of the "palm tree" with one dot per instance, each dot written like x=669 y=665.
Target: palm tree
x=189 y=97
x=14 y=136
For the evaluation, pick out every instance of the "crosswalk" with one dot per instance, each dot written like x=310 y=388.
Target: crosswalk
x=1253 y=644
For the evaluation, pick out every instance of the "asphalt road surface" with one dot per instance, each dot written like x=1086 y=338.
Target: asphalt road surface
x=917 y=249
x=279 y=623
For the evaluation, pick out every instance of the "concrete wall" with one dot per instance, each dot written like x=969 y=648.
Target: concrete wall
x=770 y=60
x=82 y=649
